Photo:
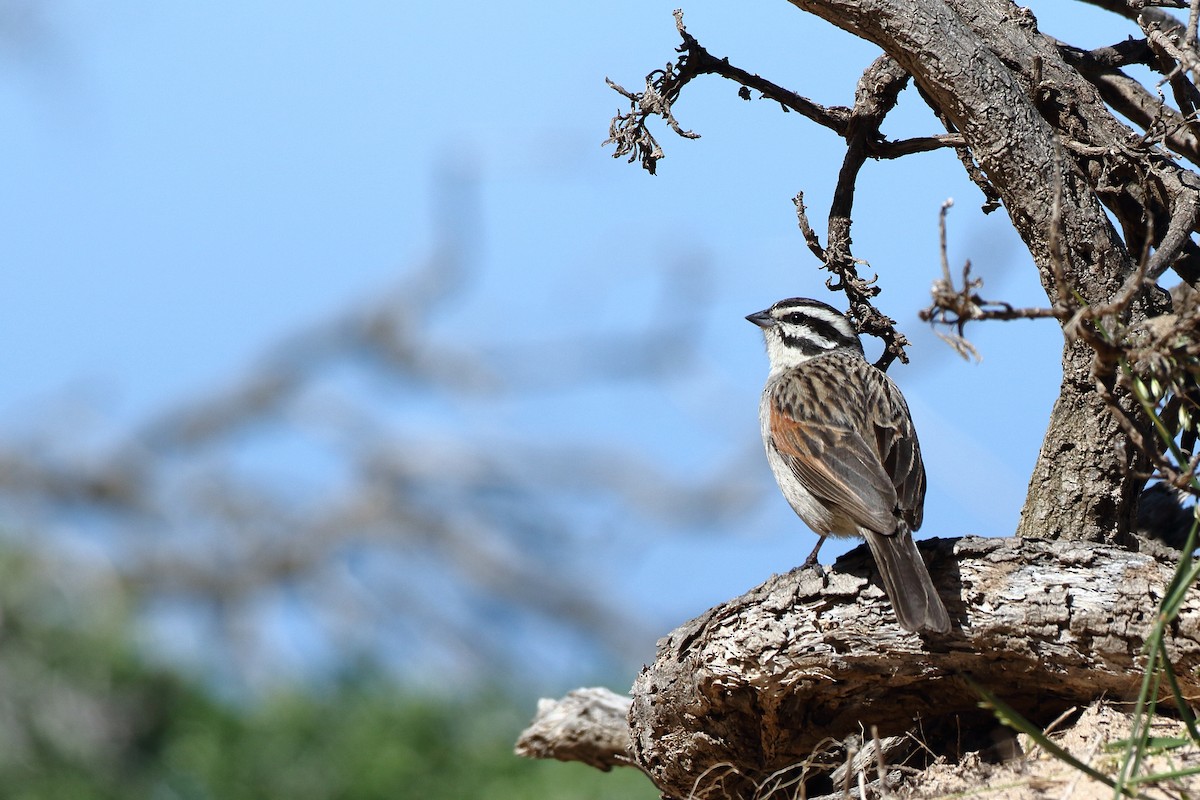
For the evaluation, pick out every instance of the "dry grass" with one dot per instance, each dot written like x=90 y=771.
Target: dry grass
x=1095 y=739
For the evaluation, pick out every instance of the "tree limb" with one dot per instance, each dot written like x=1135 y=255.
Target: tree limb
x=766 y=682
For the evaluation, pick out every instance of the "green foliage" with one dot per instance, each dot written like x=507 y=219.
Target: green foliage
x=84 y=717
x=366 y=740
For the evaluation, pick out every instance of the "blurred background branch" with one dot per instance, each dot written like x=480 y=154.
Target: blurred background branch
x=306 y=487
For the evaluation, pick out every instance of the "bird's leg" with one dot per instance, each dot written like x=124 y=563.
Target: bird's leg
x=811 y=561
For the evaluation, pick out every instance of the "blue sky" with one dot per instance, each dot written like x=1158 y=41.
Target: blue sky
x=187 y=182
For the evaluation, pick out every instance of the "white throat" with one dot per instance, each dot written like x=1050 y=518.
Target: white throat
x=783 y=357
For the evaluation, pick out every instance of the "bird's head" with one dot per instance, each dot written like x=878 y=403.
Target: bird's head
x=798 y=329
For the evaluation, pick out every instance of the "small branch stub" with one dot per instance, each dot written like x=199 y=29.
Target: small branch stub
x=588 y=725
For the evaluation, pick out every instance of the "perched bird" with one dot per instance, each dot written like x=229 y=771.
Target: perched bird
x=1162 y=515
x=842 y=446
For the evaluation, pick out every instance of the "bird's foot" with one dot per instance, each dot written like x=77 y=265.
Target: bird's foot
x=811 y=561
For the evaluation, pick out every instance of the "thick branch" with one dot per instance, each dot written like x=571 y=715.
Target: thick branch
x=1161 y=122
x=1184 y=213
x=761 y=684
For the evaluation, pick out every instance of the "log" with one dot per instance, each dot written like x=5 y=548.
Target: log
x=758 y=686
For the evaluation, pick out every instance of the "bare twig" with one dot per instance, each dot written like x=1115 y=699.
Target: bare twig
x=810 y=236
x=954 y=308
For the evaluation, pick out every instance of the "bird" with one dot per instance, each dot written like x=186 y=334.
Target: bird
x=1162 y=515
x=841 y=443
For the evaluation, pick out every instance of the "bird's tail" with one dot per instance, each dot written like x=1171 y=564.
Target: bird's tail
x=907 y=582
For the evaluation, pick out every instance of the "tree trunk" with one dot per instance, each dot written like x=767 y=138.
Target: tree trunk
x=1085 y=476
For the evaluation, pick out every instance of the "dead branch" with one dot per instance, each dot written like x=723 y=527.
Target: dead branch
x=631 y=137
x=1161 y=123
x=876 y=95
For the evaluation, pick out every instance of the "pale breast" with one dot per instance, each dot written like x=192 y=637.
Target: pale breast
x=815 y=514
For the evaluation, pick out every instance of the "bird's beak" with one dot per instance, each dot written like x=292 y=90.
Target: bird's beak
x=762 y=319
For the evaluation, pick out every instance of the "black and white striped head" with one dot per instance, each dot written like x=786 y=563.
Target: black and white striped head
x=798 y=329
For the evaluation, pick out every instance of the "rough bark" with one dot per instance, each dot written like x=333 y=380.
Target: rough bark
x=758 y=686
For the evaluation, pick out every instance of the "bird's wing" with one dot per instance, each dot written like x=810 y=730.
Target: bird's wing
x=837 y=465
x=899 y=451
